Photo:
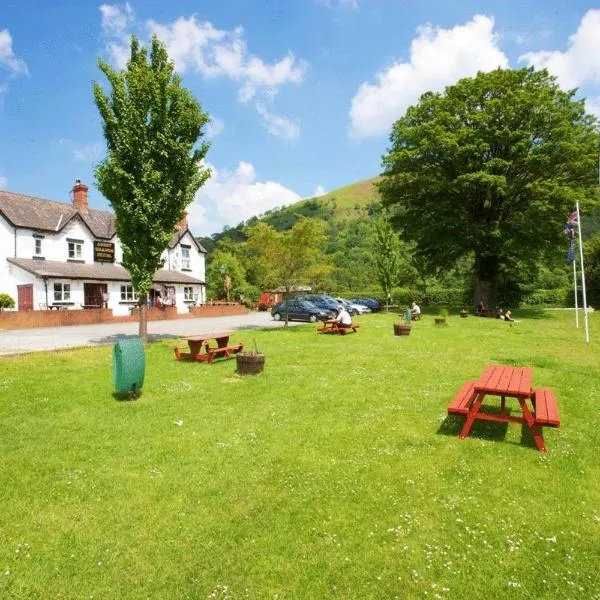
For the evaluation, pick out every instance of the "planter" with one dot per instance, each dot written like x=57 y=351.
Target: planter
x=401 y=329
x=440 y=321
x=250 y=363
x=464 y=314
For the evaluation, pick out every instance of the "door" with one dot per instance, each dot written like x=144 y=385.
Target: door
x=92 y=294
x=25 y=297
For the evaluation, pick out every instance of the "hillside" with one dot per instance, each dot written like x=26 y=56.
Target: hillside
x=349 y=202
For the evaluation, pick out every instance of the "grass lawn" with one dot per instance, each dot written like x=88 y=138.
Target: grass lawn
x=334 y=474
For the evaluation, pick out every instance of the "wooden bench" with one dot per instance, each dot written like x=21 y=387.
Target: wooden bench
x=546 y=408
x=462 y=401
x=224 y=352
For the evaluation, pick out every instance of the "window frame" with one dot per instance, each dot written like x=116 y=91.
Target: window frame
x=128 y=294
x=61 y=292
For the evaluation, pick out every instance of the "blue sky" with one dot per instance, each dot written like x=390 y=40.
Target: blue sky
x=302 y=93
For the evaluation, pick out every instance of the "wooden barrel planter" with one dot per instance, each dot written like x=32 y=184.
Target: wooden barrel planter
x=250 y=363
x=401 y=329
x=440 y=321
x=464 y=314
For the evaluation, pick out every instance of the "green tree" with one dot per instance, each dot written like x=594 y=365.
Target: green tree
x=6 y=301
x=489 y=169
x=288 y=257
x=387 y=256
x=151 y=171
x=224 y=264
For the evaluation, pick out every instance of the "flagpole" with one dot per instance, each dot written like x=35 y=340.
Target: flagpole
x=575 y=292
x=585 y=310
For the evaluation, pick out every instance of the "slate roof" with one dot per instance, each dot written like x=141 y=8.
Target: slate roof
x=48 y=215
x=101 y=272
x=31 y=212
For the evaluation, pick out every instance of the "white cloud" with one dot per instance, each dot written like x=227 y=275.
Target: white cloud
x=278 y=125
x=592 y=106
x=87 y=153
x=8 y=60
x=214 y=127
x=228 y=198
x=200 y=46
x=3 y=182
x=319 y=191
x=353 y=4
x=438 y=57
x=578 y=64
x=116 y=21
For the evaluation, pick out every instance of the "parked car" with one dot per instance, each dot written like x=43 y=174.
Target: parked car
x=301 y=310
x=353 y=308
x=373 y=304
x=322 y=301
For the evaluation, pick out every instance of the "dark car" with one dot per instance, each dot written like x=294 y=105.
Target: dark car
x=373 y=304
x=325 y=302
x=301 y=310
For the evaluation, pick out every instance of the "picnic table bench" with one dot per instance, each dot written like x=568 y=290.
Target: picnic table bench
x=511 y=382
x=332 y=326
x=202 y=350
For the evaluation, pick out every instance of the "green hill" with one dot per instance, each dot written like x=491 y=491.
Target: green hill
x=346 y=203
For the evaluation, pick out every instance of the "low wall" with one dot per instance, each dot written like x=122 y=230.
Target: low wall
x=58 y=318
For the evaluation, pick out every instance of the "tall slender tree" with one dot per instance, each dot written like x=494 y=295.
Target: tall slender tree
x=152 y=168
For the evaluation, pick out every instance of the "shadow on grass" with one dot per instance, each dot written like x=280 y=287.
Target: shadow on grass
x=485 y=430
x=119 y=337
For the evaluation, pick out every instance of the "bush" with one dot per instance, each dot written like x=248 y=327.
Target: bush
x=6 y=301
x=556 y=297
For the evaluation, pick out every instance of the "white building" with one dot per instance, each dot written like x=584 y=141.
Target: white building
x=57 y=255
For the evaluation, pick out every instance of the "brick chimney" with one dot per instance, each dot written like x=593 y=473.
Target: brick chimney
x=182 y=224
x=80 y=196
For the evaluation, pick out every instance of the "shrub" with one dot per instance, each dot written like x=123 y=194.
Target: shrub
x=6 y=301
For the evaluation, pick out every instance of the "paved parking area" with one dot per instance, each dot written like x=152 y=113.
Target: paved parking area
x=15 y=341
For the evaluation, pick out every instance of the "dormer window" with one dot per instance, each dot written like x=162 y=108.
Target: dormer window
x=75 y=249
x=185 y=258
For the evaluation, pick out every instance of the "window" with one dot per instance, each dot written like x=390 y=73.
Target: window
x=75 y=250
x=38 y=247
x=185 y=257
x=188 y=294
x=128 y=294
x=62 y=292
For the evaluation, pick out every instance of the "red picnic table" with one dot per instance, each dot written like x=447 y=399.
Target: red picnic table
x=202 y=350
x=507 y=382
x=334 y=326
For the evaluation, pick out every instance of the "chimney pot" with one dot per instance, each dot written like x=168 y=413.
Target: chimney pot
x=182 y=224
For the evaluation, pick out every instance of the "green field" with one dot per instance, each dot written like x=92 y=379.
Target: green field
x=334 y=474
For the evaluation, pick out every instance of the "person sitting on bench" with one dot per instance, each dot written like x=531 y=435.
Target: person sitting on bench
x=415 y=311
x=343 y=318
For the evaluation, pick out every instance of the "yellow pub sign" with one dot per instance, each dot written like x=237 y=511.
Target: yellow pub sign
x=104 y=252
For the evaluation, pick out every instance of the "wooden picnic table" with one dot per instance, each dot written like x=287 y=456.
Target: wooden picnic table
x=333 y=326
x=203 y=349
x=506 y=382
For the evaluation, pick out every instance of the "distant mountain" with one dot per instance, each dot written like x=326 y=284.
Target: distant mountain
x=346 y=203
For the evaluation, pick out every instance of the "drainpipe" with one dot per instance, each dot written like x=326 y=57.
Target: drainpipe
x=46 y=288
x=15 y=252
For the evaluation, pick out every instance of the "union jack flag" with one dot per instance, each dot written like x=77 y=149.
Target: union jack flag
x=569 y=231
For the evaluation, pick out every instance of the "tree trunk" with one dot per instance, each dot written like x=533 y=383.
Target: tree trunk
x=287 y=295
x=143 y=306
x=485 y=292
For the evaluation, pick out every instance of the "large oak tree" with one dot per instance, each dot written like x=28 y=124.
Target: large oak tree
x=489 y=169
x=152 y=169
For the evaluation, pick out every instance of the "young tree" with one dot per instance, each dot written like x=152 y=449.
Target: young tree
x=151 y=171
x=488 y=169
x=387 y=256
x=225 y=264
x=287 y=256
